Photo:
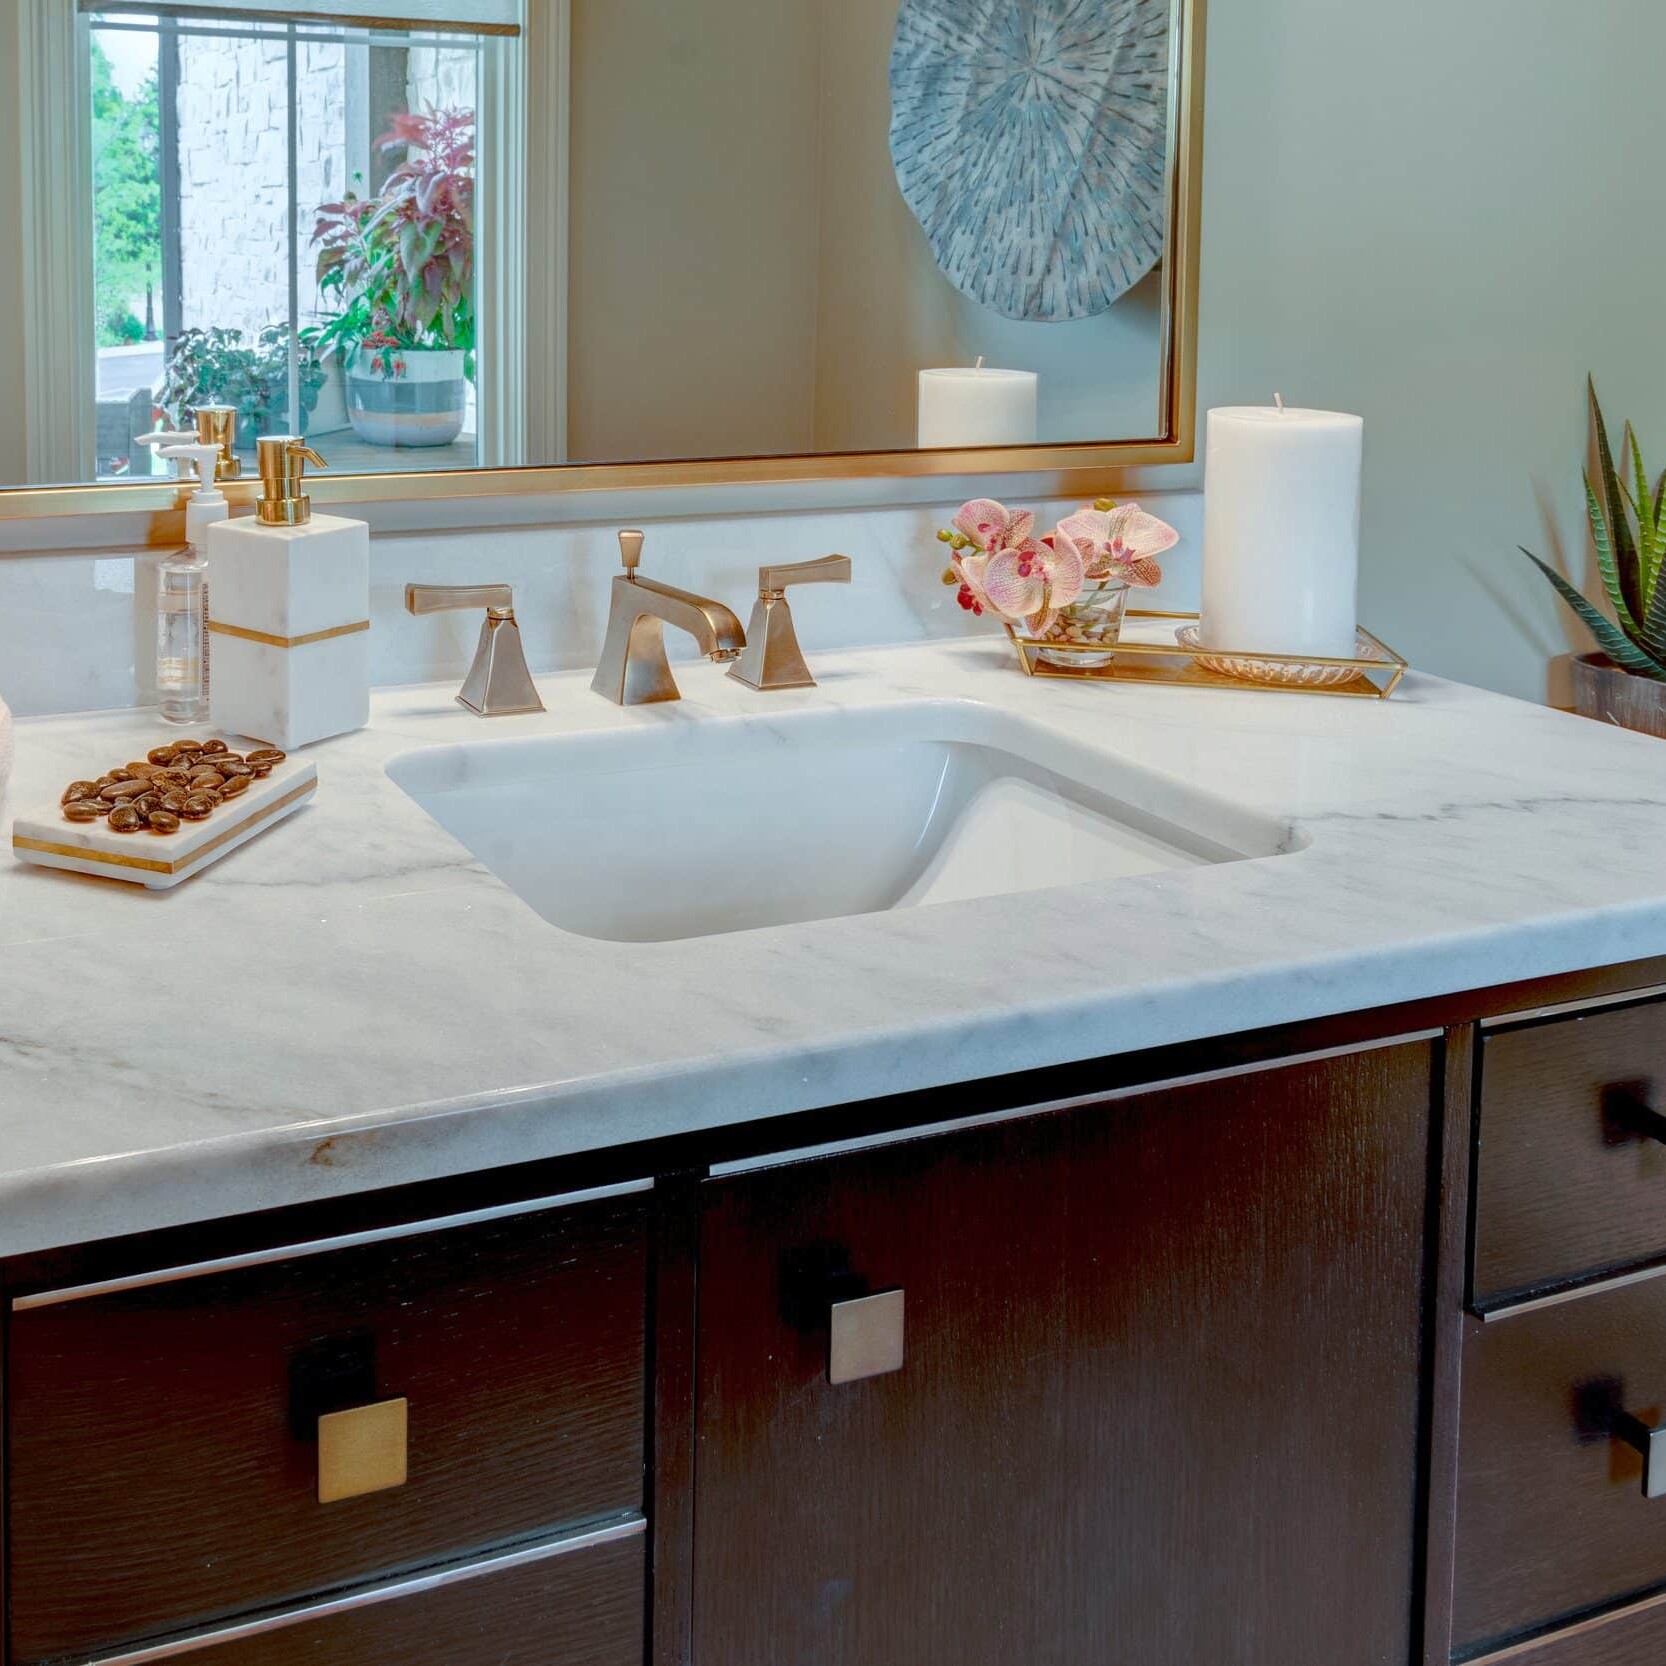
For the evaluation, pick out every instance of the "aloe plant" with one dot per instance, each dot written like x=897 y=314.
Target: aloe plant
x=1628 y=527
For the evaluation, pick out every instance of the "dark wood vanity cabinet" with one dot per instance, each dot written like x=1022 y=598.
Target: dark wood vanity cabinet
x=1553 y=1416
x=1158 y=1398
x=1309 y=1348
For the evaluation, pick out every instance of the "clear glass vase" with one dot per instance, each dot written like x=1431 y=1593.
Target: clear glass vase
x=1093 y=620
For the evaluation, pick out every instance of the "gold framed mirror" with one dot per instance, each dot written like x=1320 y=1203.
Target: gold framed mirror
x=687 y=298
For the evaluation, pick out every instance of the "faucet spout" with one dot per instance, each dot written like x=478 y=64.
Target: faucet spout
x=716 y=631
x=633 y=670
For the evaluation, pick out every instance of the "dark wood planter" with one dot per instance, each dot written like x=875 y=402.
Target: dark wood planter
x=1603 y=691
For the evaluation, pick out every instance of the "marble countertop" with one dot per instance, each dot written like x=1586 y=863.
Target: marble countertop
x=351 y=1001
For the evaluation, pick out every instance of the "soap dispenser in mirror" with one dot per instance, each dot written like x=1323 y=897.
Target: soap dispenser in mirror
x=182 y=653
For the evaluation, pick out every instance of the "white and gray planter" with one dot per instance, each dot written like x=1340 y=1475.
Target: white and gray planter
x=407 y=396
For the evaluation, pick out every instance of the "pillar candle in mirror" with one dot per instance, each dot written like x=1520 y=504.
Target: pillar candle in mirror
x=977 y=407
x=1281 y=531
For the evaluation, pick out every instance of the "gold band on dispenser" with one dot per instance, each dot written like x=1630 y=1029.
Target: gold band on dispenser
x=270 y=641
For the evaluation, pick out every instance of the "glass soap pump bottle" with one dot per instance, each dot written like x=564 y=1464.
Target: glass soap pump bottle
x=182 y=685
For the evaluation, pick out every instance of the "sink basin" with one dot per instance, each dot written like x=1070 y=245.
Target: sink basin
x=695 y=828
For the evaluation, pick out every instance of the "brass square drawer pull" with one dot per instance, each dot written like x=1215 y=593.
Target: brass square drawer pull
x=362 y=1450
x=865 y=1338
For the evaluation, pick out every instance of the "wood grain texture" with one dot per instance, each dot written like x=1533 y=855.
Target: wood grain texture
x=578 y=1610
x=1564 y=1188
x=162 y=1442
x=1160 y=1396
x=1551 y=1516
x=1634 y=1636
x=671 y=1421
x=1449 y=1185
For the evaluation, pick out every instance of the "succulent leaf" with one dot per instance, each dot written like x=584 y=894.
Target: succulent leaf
x=1648 y=532
x=1610 y=638
x=1621 y=542
x=1651 y=635
x=1606 y=563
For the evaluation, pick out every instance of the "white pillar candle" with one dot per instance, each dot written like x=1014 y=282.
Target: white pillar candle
x=1281 y=531
x=977 y=407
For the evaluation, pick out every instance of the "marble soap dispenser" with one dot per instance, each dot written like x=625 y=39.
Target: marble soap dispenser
x=291 y=611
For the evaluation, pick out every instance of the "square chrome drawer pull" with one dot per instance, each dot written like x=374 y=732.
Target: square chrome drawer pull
x=362 y=1450
x=865 y=1338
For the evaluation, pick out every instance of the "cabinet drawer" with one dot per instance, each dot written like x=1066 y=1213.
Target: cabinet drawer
x=1092 y=1387
x=164 y=1455
x=1567 y=1181
x=1552 y=1520
x=1634 y=1636
x=577 y=1607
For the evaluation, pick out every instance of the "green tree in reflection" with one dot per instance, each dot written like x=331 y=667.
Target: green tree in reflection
x=127 y=203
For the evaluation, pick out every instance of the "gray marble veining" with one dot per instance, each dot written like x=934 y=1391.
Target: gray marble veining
x=385 y=1011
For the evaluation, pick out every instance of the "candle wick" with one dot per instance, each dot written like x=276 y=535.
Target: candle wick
x=1278 y=399
x=980 y=361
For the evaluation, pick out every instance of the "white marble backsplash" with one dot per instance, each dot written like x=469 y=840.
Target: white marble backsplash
x=76 y=630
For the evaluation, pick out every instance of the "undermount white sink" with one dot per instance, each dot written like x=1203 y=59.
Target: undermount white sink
x=696 y=828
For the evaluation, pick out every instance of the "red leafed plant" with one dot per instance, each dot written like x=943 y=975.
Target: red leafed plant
x=400 y=265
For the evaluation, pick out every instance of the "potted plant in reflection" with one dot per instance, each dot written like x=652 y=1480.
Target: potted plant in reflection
x=219 y=367
x=399 y=269
x=1626 y=682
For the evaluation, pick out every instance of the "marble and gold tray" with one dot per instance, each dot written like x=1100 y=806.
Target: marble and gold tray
x=162 y=861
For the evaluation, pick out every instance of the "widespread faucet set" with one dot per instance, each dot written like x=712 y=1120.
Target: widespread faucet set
x=634 y=670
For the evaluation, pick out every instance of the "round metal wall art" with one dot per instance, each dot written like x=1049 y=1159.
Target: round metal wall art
x=1030 y=141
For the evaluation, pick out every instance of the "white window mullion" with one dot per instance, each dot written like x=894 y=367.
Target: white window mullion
x=292 y=143
x=521 y=247
x=60 y=367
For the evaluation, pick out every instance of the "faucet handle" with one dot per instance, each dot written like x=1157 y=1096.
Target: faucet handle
x=630 y=549
x=826 y=569
x=447 y=598
x=772 y=657
x=498 y=683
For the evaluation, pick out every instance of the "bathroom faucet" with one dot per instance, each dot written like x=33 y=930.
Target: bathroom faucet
x=498 y=683
x=634 y=670
x=773 y=658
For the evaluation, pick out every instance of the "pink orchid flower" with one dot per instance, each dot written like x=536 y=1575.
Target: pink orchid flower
x=1121 y=543
x=993 y=527
x=1029 y=582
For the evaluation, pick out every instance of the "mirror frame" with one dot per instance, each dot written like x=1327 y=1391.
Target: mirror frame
x=1062 y=470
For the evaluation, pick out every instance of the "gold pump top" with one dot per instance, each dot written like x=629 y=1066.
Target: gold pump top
x=217 y=425
x=283 y=465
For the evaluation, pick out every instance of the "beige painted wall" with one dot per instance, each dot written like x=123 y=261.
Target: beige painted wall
x=750 y=138
x=1441 y=216
x=13 y=452
x=692 y=237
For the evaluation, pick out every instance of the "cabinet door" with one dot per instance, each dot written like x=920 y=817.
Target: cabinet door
x=1158 y=1402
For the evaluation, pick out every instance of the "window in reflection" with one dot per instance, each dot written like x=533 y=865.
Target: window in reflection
x=284 y=223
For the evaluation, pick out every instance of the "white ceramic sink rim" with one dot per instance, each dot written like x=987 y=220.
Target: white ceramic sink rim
x=701 y=826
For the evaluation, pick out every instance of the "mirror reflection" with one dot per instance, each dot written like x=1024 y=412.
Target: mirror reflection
x=593 y=231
